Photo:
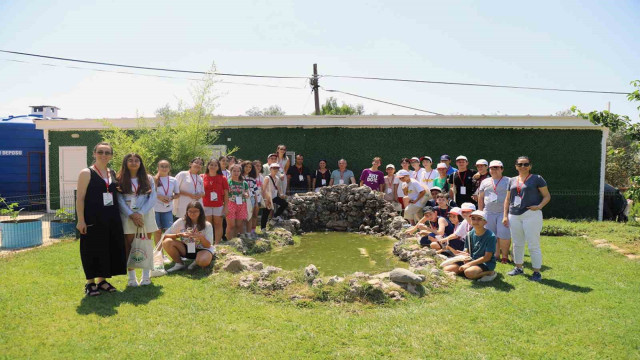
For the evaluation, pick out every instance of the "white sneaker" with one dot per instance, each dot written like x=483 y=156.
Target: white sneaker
x=177 y=267
x=144 y=282
x=132 y=283
x=166 y=260
x=489 y=277
x=158 y=273
x=192 y=266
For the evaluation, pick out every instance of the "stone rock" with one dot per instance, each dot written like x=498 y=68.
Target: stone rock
x=236 y=264
x=291 y=225
x=310 y=272
x=412 y=289
x=246 y=281
x=394 y=295
x=317 y=282
x=381 y=276
x=281 y=236
x=397 y=222
x=334 y=280
x=361 y=275
x=296 y=297
x=281 y=282
x=400 y=275
x=340 y=225
x=266 y=272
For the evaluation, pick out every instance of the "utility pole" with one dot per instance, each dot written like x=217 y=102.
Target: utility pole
x=316 y=88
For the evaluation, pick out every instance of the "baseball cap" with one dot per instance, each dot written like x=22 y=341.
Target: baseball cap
x=441 y=166
x=437 y=188
x=415 y=159
x=445 y=157
x=425 y=158
x=274 y=165
x=270 y=155
x=455 y=210
x=468 y=206
x=390 y=166
x=496 y=163
x=479 y=213
x=461 y=157
x=482 y=162
x=402 y=173
x=428 y=209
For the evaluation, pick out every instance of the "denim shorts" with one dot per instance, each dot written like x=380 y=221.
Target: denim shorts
x=164 y=220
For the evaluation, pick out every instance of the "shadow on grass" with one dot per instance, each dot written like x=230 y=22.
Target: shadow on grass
x=564 y=286
x=107 y=303
x=498 y=283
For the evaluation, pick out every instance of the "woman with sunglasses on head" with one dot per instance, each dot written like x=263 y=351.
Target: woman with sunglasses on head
x=527 y=195
x=190 y=186
x=136 y=207
x=102 y=248
x=167 y=190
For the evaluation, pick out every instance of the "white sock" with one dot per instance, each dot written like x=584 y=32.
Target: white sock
x=132 y=274
x=145 y=274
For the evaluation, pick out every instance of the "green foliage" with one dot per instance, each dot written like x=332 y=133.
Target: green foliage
x=66 y=215
x=331 y=107
x=273 y=110
x=182 y=133
x=633 y=192
x=10 y=210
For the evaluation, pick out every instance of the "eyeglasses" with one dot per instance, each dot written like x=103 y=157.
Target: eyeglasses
x=523 y=164
x=101 y=152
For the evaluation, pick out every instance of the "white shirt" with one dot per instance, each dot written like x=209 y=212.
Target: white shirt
x=163 y=190
x=185 y=185
x=462 y=230
x=414 y=189
x=180 y=226
x=427 y=177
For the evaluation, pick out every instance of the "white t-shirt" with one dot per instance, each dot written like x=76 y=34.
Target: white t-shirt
x=416 y=174
x=427 y=178
x=186 y=185
x=414 y=189
x=179 y=226
x=462 y=230
x=167 y=187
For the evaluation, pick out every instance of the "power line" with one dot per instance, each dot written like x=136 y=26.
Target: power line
x=381 y=101
x=151 y=75
x=475 y=84
x=152 y=68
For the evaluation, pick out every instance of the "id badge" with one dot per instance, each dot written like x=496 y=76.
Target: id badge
x=341 y=182
x=517 y=201
x=324 y=182
x=239 y=200
x=213 y=196
x=107 y=199
x=166 y=205
x=300 y=178
x=493 y=197
x=463 y=190
x=389 y=190
x=191 y=247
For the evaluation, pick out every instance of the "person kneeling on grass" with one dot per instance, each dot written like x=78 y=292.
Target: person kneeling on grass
x=190 y=237
x=431 y=227
x=481 y=245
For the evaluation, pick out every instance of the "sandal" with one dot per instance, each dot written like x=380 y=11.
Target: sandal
x=108 y=288
x=91 y=289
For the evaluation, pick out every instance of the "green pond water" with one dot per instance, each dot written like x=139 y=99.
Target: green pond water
x=336 y=253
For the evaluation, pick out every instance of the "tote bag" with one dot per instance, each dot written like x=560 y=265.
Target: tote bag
x=158 y=262
x=141 y=255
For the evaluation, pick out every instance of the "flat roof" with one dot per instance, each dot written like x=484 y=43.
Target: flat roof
x=312 y=121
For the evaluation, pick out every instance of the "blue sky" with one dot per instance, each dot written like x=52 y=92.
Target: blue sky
x=562 y=44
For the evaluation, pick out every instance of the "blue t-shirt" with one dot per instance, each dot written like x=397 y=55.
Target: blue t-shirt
x=346 y=176
x=451 y=170
x=529 y=193
x=481 y=245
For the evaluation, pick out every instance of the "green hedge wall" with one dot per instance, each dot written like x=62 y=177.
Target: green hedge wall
x=568 y=159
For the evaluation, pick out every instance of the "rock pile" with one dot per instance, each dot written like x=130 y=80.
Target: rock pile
x=346 y=208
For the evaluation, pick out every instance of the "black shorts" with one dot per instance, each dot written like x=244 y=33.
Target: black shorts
x=482 y=266
x=192 y=256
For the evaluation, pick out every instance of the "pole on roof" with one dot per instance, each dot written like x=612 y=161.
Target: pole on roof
x=316 y=88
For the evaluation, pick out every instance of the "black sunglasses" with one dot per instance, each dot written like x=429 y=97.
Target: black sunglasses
x=101 y=152
x=523 y=164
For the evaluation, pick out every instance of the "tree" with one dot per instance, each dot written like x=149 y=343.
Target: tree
x=182 y=133
x=331 y=107
x=273 y=110
x=566 y=112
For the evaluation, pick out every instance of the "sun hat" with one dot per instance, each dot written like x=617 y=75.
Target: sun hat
x=415 y=159
x=455 y=210
x=468 y=206
x=461 y=157
x=496 y=163
x=441 y=166
x=403 y=172
x=390 y=166
x=482 y=162
x=435 y=188
x=479 y=213
x=425 y=158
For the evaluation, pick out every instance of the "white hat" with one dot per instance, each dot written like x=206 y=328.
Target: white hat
x=441 y=166
x=426 y=158
x=415 y=159
x=482 y=162
x=390 y=166
x=479 y=213
x=435 y=188
x=468 y=206
x=403 y=172
x=462 y=157
x=274 y=165
x=455 y=210
x=496 y=163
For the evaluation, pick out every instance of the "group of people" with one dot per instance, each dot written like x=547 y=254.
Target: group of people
x=192 y=212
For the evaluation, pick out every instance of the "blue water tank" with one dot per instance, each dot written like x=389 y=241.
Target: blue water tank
x=22 y=161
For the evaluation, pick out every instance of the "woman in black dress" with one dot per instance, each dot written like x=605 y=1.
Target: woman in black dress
x=101 y=238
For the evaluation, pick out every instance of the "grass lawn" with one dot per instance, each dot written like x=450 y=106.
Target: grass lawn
x=626 y=236
x=587 y=307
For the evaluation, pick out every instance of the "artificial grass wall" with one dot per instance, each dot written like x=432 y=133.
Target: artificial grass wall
x=568 y=159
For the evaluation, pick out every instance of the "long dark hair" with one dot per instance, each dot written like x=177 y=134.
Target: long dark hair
x=156 y=178
x=202 y=218
x=252 y=173
x=213 y=160
x=124 y=177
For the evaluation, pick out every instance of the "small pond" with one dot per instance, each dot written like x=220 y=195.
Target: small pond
x=336 y=253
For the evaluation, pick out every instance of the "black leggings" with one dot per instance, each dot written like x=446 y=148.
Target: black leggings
x=282 y=205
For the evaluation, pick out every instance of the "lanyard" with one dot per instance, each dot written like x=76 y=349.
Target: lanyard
x=342 y=175
x=495 y=186
x=518 y=186
x=166 y=189
x=106 y=182
x=194 y=178
x=428 y=178
x=134 y=187
x=465 y=175
x=415 y=173
x=299 y=170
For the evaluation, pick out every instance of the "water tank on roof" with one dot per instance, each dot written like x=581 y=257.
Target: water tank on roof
x=22 y=162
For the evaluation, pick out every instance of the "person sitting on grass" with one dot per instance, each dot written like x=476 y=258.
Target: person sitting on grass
x=431 y=227
x=434 y=191
x=480 y=246
x=191 y=237
x=442 y=208
x=453 y=243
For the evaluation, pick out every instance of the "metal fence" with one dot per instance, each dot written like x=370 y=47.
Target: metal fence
x=34 y=225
